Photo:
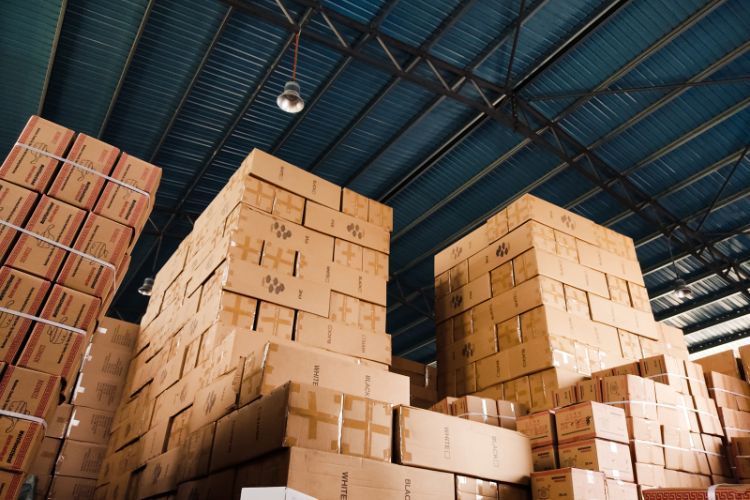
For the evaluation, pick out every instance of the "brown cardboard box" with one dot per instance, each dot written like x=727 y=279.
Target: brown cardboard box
x=476 y=409
x=728 y=392
x=461 y=250
x=16 y=204
x=215 y=400
x=716 y=455
x=20 y=440
x=543 y=384
x=649 y=475
x=470 y=487
x=463 y=299
x=381 y=215
x=338 y=337
x=459 y=275
x=80 y=459
x=708 y=417
x=471 y=348
x=518 y=390
x=123 y=204
x=575 y=484
x=219 y=485
x=44 y=461
x=288 y=206
x=667 y=370
x=306 y=416
x=621 y=490
x=285 y=175
x=354 y=204
x=564 y=396
x=160 y=474
x=589 y=390
x=95 y=391
x=736 y=423
x=429 y=439
x=597 y=454
x=620 y=316
x=347 y=254
x=10 y=484
x=335 y=475
x=526 y=296
x=547 y=322
x=529 y=207
x=635 y=395
x=722 y=362
x=57 y=425
x=497 y=225
x=609 y=263
x=57 y=350
x=24 y=293
x=508 y=413
x=545 y=458
x=591 y=420
x=273 y=364
x=444 y=406
x=89 y=425
x=679 y=451
x=196 y=453
x=72 y=487
x=56 y=221
x=116 y=333
x=646 y=444
x=536 y=262
x=29 y=392
x=346 y=227
x=32 y=169
x=107 y=241
x=80 y=187
x=106 y=361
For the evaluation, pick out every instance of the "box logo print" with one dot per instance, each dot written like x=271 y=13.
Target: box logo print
x=274 y=285
x=281 y=230
x=502 y=250
x=355 y=231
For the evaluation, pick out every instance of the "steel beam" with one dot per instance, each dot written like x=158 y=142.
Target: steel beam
x=191 y=85
x=52 y=54
x=695 y=277
x=702 y=346
x=702 y=301
x=125 y=68
x=717 y=320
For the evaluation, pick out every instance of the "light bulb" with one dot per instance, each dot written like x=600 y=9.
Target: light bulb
x=146 y=287
x=681 y=290
x=290 y=99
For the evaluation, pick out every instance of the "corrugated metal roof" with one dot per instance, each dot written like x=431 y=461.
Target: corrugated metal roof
x=198 y=83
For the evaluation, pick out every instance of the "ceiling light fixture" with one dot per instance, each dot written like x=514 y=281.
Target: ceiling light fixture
x=681 y=289
x=147 y=286
x=290 y=100
x=148 y=283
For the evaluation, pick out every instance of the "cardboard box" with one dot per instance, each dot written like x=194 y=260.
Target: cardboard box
x=72 y=487
x=463 y=299
x=160 y=474
x=107 y=241
x=722 y=362
x=57 y=425
x=354 y=204
x=635 y=395
x=29 y=392
x=609 y=263
x=215 y=400
x=44 y=461
x=346 y=227
x=379 y=214
x=57 y=350
x=620 y=316
x=575 y=484
x=537 y=262
x=16 y=204
x=529 y=207
x=24 y=293
x=350 y=282
x=526 y=296
x=591 y=420
x=196 y=453
x=20 y=440
x=123 y=204
x=431 y=440
x=476 y=409
x=543 y=384
x=116 y=333
x=32 y=169
x=80 y=459
x=332 y=476
x=597 y=454
x=459 y=275
x=471 y=487
x=545 y=458
x=76 y=185
x=288 y=206
x=94 y=391
x=461 y=250
x=105 y=361
x=547 y=322
x=89 y=425
x=667 y=370
x=285 y=175
x=306 y=416
x=219 y=485
x=646 y=445
x=680 y=451
x=56 y=221
x=649 y=475
x=471 y=348
x=273 y=364
x=621 y=490
x=716 y=455
x=589 y=390
x=10 y=484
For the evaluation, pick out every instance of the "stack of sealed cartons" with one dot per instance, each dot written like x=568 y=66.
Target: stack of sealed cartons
x=76 y=440
x=422 y=380
x=535 y=299
x=71 y=210
x=265 y=331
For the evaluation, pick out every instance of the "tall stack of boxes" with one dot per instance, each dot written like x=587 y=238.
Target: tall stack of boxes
x=71 y=209
x=422 y=380
x=266 y=331
x=76 y=440
x=535 y=299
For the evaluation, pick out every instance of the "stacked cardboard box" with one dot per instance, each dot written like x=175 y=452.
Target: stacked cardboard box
x=266 y=330
x=72 y=208
x=479 y=409
x=76 y=441
x=422 y=380
x=535 y=299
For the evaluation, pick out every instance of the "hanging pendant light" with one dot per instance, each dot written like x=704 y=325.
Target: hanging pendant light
x=147 y=286
x=290 y=100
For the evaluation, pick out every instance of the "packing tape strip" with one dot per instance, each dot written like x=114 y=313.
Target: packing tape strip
x=31 y=317
x=663 y=405
x=83 y=167
x=670 y=374
x=711 y=491
x=23 y=416
x=67 y=248
x=678 y=448
x=717 y=389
